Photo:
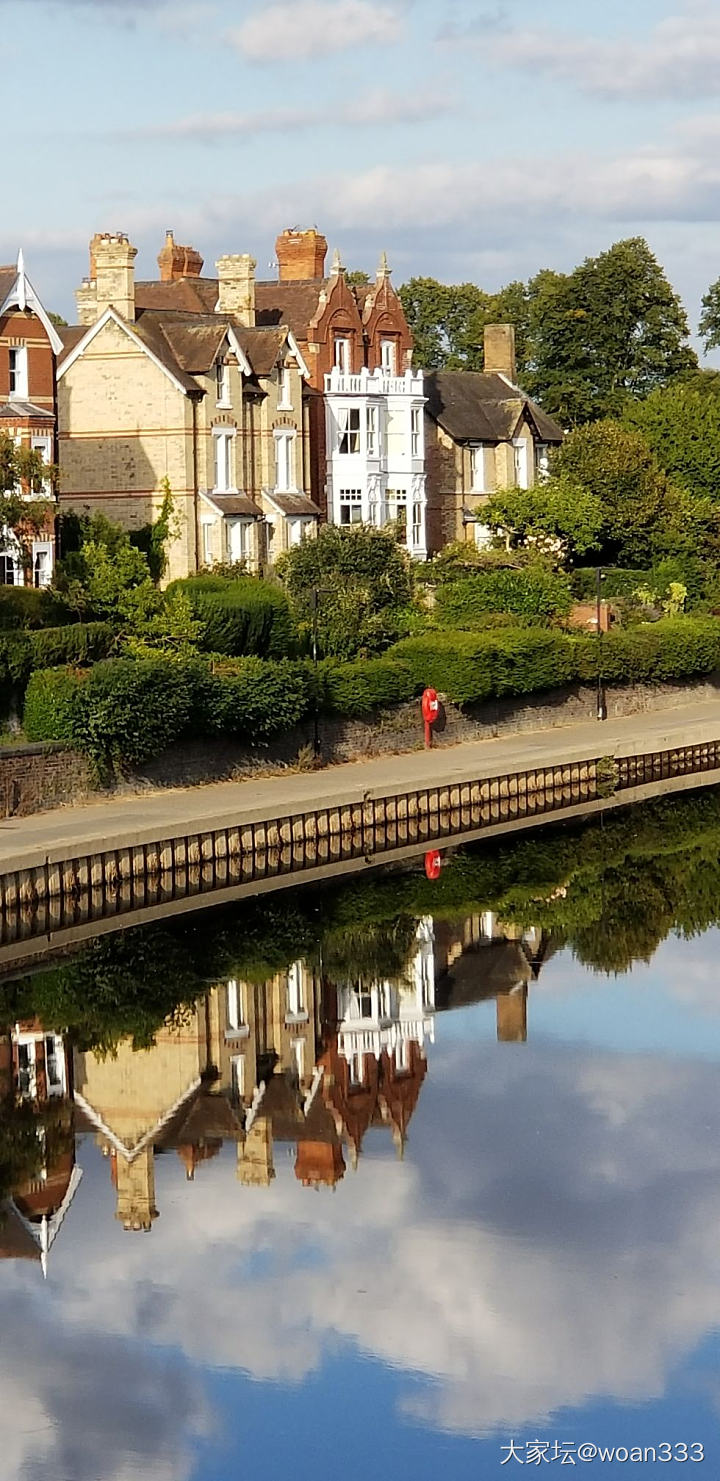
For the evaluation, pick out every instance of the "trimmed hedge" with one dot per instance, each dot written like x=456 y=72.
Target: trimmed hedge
x=29 y=607
x=533 y=593
x=52 y=705
x=354 y=689
x=469 y=667
x=48 y=647
x=242 y=617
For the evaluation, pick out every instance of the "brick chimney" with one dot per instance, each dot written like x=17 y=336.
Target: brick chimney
x=176 y=262
x=236 y=287
x=300 y=255
x=112 y=271
x=500 y=350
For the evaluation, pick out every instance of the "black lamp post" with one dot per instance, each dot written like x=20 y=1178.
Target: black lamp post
x=601 y=706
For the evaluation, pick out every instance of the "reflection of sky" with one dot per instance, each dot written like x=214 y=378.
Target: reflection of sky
x=544 y=1263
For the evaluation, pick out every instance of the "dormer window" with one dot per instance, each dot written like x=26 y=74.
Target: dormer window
x=18 y=387
x=342 y=354
x=388 y=356
x=222 y=375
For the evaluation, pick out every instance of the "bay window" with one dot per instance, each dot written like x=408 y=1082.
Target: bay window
x=350 y=507
x=349 y=429
x=373 y=431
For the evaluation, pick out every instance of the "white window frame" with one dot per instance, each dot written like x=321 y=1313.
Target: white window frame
x=372 y=431
x=296 y=527
x=418 y=524
x=341 y=353
x=222 y=382
x=478 y=481
x=206 y=527
x=483 y=536
x=416 y=432
x=237 y=531
x=349 y=431
x=285 y=478
x=18 y=380
x=395 y=501
x=542 y=461
x=237 y=1075
x=223 y=460
x=296 y=1011
x=388 y=356
x=522 y=462
x=352 y=501
x=42 y=574
x=9 y=562
x=41 y=442
x=285 y=402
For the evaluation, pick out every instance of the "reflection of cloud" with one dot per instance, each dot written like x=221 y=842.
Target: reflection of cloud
x=89 y=1406
x=550 y=1238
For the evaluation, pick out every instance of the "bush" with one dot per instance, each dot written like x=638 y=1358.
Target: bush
x=259 y=699
x=80 y=643
x=246 y=616
x=674 y=648
x=29 y=607
x=352 y=586
x=51 y=705
x=533 y=593
x=469 y=667
x=353 y=689
x=695 y=575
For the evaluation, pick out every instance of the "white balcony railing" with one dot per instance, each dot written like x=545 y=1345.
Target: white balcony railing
x=375 y=383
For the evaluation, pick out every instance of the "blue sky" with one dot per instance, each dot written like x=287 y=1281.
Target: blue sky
x=477 y=139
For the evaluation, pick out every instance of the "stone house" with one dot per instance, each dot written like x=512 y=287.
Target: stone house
x=29 y=344
x=173 y=380
x=482 y=433
x=365 y=402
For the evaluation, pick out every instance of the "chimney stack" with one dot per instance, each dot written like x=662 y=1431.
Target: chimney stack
x=177 y=262
x=112 y=279
x=500 y=350
x=301 y=255
x=236 y=287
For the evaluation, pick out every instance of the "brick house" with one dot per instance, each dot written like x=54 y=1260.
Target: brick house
x=365 y=403
x=174 y=380
x=29 y=344
x=482 y=433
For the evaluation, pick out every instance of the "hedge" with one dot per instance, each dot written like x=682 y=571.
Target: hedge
x=29 y=607
x=353 y=689
x=531 y=593
x=240 y=617
x=469 y=667
x=23 y=652
x=696 y=575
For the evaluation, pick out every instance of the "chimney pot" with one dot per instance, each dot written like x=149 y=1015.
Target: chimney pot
x=300 y=255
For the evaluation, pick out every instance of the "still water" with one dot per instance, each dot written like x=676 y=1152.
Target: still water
x=402 y=1177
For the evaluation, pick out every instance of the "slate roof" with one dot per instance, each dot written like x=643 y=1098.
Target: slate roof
x=14 y=411
x=188 y=295
x=293 y=503
x=7 y=281
x=234 y=504
x=294 y=304
x=473 y=406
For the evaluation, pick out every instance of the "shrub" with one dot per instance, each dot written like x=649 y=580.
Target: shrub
x=29 y=607
x=674 y=648
x=350 y=585
x=80 y=643
x=353 y=689
x=259 y=699
x=469 y=667
x=51 y=705
x=245 y=616
x=533 y=593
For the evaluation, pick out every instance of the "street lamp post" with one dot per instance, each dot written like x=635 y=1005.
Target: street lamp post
x=601 y=706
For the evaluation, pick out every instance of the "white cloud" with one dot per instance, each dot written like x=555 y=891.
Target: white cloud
x=297 y=29
x=678 y=59
x=376 y=108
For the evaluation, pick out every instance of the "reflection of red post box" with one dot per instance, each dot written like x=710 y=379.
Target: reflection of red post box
x=430 y=712
x=433 y=864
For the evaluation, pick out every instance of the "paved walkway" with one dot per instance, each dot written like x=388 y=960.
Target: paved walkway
x=120 y=821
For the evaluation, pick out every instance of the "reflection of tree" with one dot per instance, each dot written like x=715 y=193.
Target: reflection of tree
x=376 y=949
x=30 y=1139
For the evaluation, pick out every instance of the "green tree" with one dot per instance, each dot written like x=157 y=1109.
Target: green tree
x=559 y=518
x=618 y=467
x=710 y=317
x=445 y=321
x=681 y=423
x=362 y=578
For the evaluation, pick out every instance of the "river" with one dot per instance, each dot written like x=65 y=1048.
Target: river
x=411 y=1175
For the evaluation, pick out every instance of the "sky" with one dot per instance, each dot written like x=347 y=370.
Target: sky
x=474 y=140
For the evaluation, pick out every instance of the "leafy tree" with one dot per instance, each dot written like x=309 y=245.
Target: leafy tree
x=363 y=580
x=620 y=470
x=710 y=317
x=559 y=517
x=445 y=323
x=681 y=423
x=356 y=278
x=58 y=321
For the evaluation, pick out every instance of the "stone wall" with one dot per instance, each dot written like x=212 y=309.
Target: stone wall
x=33 y=778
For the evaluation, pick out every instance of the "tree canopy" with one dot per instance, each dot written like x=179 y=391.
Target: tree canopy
x=681 y=423
x=587 y=340
x=362 y=577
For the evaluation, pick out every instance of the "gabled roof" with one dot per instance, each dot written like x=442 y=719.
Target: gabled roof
x=16 y=291
x=473 y=406
x=294 y=304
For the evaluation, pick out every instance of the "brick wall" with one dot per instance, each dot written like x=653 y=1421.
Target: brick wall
x=36 y=777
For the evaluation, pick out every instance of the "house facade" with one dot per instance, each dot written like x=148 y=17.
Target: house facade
x=171 y=383
x=482 y=433
x=29 y=345
x=365 y=402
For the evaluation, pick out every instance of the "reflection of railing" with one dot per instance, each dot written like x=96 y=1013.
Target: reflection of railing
x=385 y=1037
x=51 y=897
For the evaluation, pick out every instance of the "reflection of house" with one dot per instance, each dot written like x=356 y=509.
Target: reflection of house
x=35 y=1072
x=29 y=343
x=483 y=433
x=480 y=958
x=174 y=380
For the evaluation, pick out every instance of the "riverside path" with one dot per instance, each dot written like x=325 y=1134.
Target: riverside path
x=123 y=821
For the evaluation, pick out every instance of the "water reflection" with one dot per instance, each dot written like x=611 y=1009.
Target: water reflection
x=522 y=1238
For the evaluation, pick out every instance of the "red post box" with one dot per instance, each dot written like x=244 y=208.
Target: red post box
x=430 y=712
x=433 y=864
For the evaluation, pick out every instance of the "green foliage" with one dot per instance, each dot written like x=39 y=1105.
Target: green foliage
x=710 y=318
x=21 y=653
x=470 y=667
x=52 y=705
x=465 y=558
x=674 y=648
x=354 y=689
x=153 y=539
x=30 y=607
x=559 y=518
x=618 y=468
x=245 y=616
x=260 y=699
x=532 y=593
x=363 y=580
x=682 y=426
